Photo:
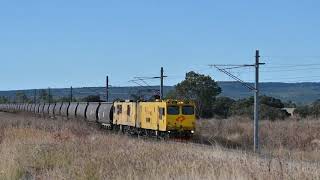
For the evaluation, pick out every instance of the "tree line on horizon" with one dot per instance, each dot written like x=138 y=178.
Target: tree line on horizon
x=44 y=96
x=204 y=91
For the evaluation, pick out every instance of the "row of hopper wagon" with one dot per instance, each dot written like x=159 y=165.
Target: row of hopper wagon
x=100 y=112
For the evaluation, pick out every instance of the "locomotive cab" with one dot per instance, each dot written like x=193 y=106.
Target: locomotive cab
x=181 y=116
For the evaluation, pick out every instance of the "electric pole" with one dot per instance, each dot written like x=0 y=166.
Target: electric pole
x=15 y=97
x=49 y=95
x=161 y=83
x=160 y=93
x=256 y=105
x=71 y=94
x=34 y=96
x=107 y=89
x=224 y=68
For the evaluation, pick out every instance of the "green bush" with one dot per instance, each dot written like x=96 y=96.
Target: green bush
x=270 y=108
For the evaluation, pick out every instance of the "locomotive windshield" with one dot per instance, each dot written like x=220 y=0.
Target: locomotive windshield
x=173 y=110
x=187 y=110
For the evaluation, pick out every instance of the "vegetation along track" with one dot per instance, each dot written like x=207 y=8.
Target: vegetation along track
x=46 y=148
x=198 y=140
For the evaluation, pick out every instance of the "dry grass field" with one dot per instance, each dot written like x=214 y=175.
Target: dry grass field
x=38 y=148
x=291 y=139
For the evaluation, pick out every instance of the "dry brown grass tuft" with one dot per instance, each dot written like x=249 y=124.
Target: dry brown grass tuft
x=56 y=149
x=291 y=139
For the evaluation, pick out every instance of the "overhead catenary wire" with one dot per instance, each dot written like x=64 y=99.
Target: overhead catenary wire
x=235 y=78
x=148 y=89
x=290 y=56
x=289 y=66
x=142 y=80
x=140 y=85
x=286 y=70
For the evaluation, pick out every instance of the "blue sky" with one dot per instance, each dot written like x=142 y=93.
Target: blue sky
x=77 y=43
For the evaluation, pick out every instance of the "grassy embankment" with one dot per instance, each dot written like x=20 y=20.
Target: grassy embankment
x=39 y=148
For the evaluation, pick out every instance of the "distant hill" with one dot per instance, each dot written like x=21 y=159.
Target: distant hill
x=301 y=93
x=114 y=92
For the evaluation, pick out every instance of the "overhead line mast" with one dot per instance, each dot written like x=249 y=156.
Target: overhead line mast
x=161 y=77
x=254 y=88
x=107 y=89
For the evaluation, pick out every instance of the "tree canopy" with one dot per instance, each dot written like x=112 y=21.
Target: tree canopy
x=312 y=110
x=200 y=88
x=270 y=108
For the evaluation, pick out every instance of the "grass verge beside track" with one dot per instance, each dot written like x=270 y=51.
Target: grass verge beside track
x=32 y=147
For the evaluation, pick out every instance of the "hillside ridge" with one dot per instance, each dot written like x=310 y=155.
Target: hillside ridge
x=300 y=93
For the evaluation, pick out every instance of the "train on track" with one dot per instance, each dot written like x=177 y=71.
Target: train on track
x=161 y=118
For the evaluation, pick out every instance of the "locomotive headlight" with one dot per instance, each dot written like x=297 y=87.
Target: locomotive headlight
x=169 y=131
x=192 y=131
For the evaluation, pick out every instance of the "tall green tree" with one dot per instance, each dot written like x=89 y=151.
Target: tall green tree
x=200 y=88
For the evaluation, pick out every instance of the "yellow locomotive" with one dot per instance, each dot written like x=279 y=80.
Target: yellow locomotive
x=159 y=118
x=151 y=118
